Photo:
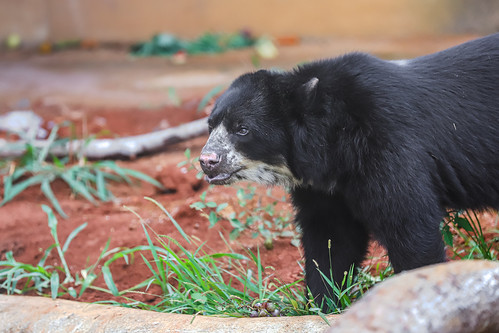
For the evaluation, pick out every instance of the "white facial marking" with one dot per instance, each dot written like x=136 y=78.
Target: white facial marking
x=249 y=170
x=266 y=174
x=219 y=140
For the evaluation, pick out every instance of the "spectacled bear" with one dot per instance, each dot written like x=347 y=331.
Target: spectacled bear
x=367 y=147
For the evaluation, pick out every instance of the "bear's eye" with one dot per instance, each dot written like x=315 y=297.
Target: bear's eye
x=242 y=131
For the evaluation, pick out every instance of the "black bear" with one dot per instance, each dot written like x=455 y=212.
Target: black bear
x=367 y=147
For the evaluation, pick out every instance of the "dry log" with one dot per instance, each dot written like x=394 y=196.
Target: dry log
x=126 y=147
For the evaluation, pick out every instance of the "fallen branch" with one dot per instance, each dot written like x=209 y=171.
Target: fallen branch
x=126 y=147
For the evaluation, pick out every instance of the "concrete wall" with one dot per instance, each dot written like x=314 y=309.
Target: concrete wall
x=133 y=20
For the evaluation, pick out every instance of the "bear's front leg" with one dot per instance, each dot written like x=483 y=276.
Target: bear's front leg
x=323 y=218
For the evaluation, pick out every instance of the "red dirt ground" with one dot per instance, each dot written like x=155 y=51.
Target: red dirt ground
x=24 y=229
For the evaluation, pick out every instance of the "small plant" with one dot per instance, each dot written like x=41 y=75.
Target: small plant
x=466 y=225
x=174 y=97
x=191 y=282
x=20 y=278
x=213 y=216
x=191 y=163
x=196 y=282
x=354 y=284
x=252 y=212
x=208 y=97
x=86 y=179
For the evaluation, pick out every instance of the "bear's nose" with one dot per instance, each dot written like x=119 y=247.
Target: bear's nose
x=209 y=160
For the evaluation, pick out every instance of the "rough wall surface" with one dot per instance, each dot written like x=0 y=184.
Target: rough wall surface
x=130 y=20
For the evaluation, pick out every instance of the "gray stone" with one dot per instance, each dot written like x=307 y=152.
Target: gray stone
x=39 y=314
x=456 y=297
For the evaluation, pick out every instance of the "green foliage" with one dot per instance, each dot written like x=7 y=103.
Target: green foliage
x=253 y=212
x=197 y=282
x=354 y=284
x=174 y=97
x=85 y=179
x=20 y=278
x=165 y=44
x=466 y=226
x=209 y=96
x=191 y=163
x=191 y=282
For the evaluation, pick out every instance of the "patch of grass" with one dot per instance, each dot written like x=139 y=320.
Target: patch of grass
x=20 y=278
x=471 y=243
x=165 y=44
x=202 y=283
x=85 y=179
x=191 y=163
x=197 y=282
x=252 y=212
x=191 y=282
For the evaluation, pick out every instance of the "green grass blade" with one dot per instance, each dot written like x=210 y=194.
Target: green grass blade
x=100 y=184
x=21 y=186
x=237 y=256
x=155 y=256
x=54 y=284
x=53 y=230
x=19 y=172
x=50 y=141
x=29 y=156
x=179 y=228
x=156 y=276
x=57 y=162
x=174 y=97
x=84 y=174
x=108 y=279
x=72 y=235
x=52 y=222
x=115 y=168
x=152 y=248
x=142 y=176
x=76 y=186
x=260 y=273
x=41 y=263
x=91 y=276
x=87 y=282
x=47 y=191
x=207 y=98
x=7 y=186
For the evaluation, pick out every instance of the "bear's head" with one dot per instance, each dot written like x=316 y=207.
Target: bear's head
x=249 y=133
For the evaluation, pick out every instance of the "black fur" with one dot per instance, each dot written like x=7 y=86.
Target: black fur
x=375 y=148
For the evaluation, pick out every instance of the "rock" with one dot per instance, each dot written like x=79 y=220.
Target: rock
x=455 y=297
x=39 y=314
x=24 y=123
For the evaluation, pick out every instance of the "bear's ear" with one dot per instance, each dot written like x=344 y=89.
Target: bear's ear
x=308 y=91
